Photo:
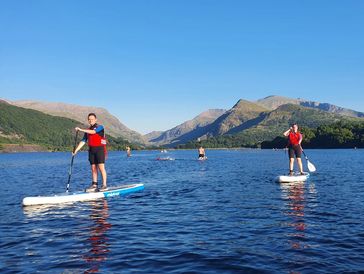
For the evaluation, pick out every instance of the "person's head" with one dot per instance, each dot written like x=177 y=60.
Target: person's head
x=92 y=118
x=294 y=127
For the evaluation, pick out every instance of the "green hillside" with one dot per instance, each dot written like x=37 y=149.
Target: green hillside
x=25 y=126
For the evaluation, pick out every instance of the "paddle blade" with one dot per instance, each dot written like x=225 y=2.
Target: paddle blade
x=310 y=166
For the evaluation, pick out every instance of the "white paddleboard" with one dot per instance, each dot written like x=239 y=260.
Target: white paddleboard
x=293 y=178
x=81 y=195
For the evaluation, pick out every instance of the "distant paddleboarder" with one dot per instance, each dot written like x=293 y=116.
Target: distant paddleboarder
x=95 y=137
x=201 y=153
x=294 y=147
x=128 y=151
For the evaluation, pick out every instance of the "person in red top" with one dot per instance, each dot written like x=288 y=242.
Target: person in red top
x=294 y=147
x=95 y=137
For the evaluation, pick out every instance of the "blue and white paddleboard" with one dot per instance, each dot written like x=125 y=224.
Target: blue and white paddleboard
x=293 y=178
x=81 y=195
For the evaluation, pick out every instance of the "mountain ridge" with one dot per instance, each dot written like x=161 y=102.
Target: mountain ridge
x=178 y=133
x=79 y=113
x=274 y=101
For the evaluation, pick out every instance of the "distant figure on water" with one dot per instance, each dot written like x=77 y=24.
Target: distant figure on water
x=201 y=153
x=294 y=147
x=128 y=151
x=95 y=137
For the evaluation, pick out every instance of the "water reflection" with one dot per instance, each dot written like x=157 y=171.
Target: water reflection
x=98 y=241
x=294 y=194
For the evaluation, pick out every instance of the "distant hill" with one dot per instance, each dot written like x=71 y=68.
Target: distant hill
x=275 y=122
x=79 y=113
x=270 y=124
x=242 y=115
x=273 y=102
x=185 y=131
x=32 y=130
x=26 y=126
x=254 y=122
x=245 y=124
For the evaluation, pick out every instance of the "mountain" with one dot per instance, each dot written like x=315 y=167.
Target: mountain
x=23 y=129
x=268 y=125
x=185 y=131
x=79 y=113
x=241 y=116
x=273 y=102
x=275 y=122
x=26 y=126
x=250 y=123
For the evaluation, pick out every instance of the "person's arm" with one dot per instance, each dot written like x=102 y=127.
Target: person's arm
x=300 y=140
x=286 y=133
x=80 y=145
x=88 y=131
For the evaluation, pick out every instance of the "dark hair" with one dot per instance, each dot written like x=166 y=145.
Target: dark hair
x=91 y=114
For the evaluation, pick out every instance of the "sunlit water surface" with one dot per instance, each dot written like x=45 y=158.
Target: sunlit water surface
x=223 y=215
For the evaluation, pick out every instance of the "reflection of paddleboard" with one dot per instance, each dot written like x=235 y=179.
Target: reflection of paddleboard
x=81 y=195
x=202 y=158
x=294 y=178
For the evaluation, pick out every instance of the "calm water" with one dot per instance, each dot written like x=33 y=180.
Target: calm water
x=223 y=215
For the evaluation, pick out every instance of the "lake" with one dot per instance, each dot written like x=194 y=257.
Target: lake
x=223 y=215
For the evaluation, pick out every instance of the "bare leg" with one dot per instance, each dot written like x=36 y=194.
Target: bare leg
x=299 y=162
x=103 y=173
x=94 y=172
x=291 y=162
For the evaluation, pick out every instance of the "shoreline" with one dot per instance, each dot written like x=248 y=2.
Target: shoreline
x=30 y=148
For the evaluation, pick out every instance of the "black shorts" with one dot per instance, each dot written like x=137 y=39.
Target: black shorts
x=96 y=155
x=294 y=150
x=201 y=155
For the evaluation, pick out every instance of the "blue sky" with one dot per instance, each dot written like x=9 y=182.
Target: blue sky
x=155 y=64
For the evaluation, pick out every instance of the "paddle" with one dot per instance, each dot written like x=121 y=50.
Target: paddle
x=70 y=170
x=310 y=165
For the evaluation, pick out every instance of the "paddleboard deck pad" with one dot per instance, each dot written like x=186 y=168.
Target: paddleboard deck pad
x=297 y=177
x=82 y=195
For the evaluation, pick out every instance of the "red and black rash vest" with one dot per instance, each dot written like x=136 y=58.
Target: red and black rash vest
x=97 y=139
x=294 y=138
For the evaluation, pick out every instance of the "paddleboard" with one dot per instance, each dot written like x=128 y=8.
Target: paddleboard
x=293 y=178
x=81 y=195
x=165 y=159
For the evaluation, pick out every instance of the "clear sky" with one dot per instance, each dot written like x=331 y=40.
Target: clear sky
x=155 y=64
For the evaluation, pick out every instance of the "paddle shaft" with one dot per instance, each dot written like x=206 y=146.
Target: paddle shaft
x=73 y=157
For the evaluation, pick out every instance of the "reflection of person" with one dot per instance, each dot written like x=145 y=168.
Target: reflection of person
x=95 y=137
x=294 y=147
x=98 y=240
x=201 y=153
x=295 y=196
x=128 y=151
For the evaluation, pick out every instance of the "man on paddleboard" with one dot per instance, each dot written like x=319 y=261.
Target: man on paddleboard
x=294 y=147
x=95 y=137
x=201 y=153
